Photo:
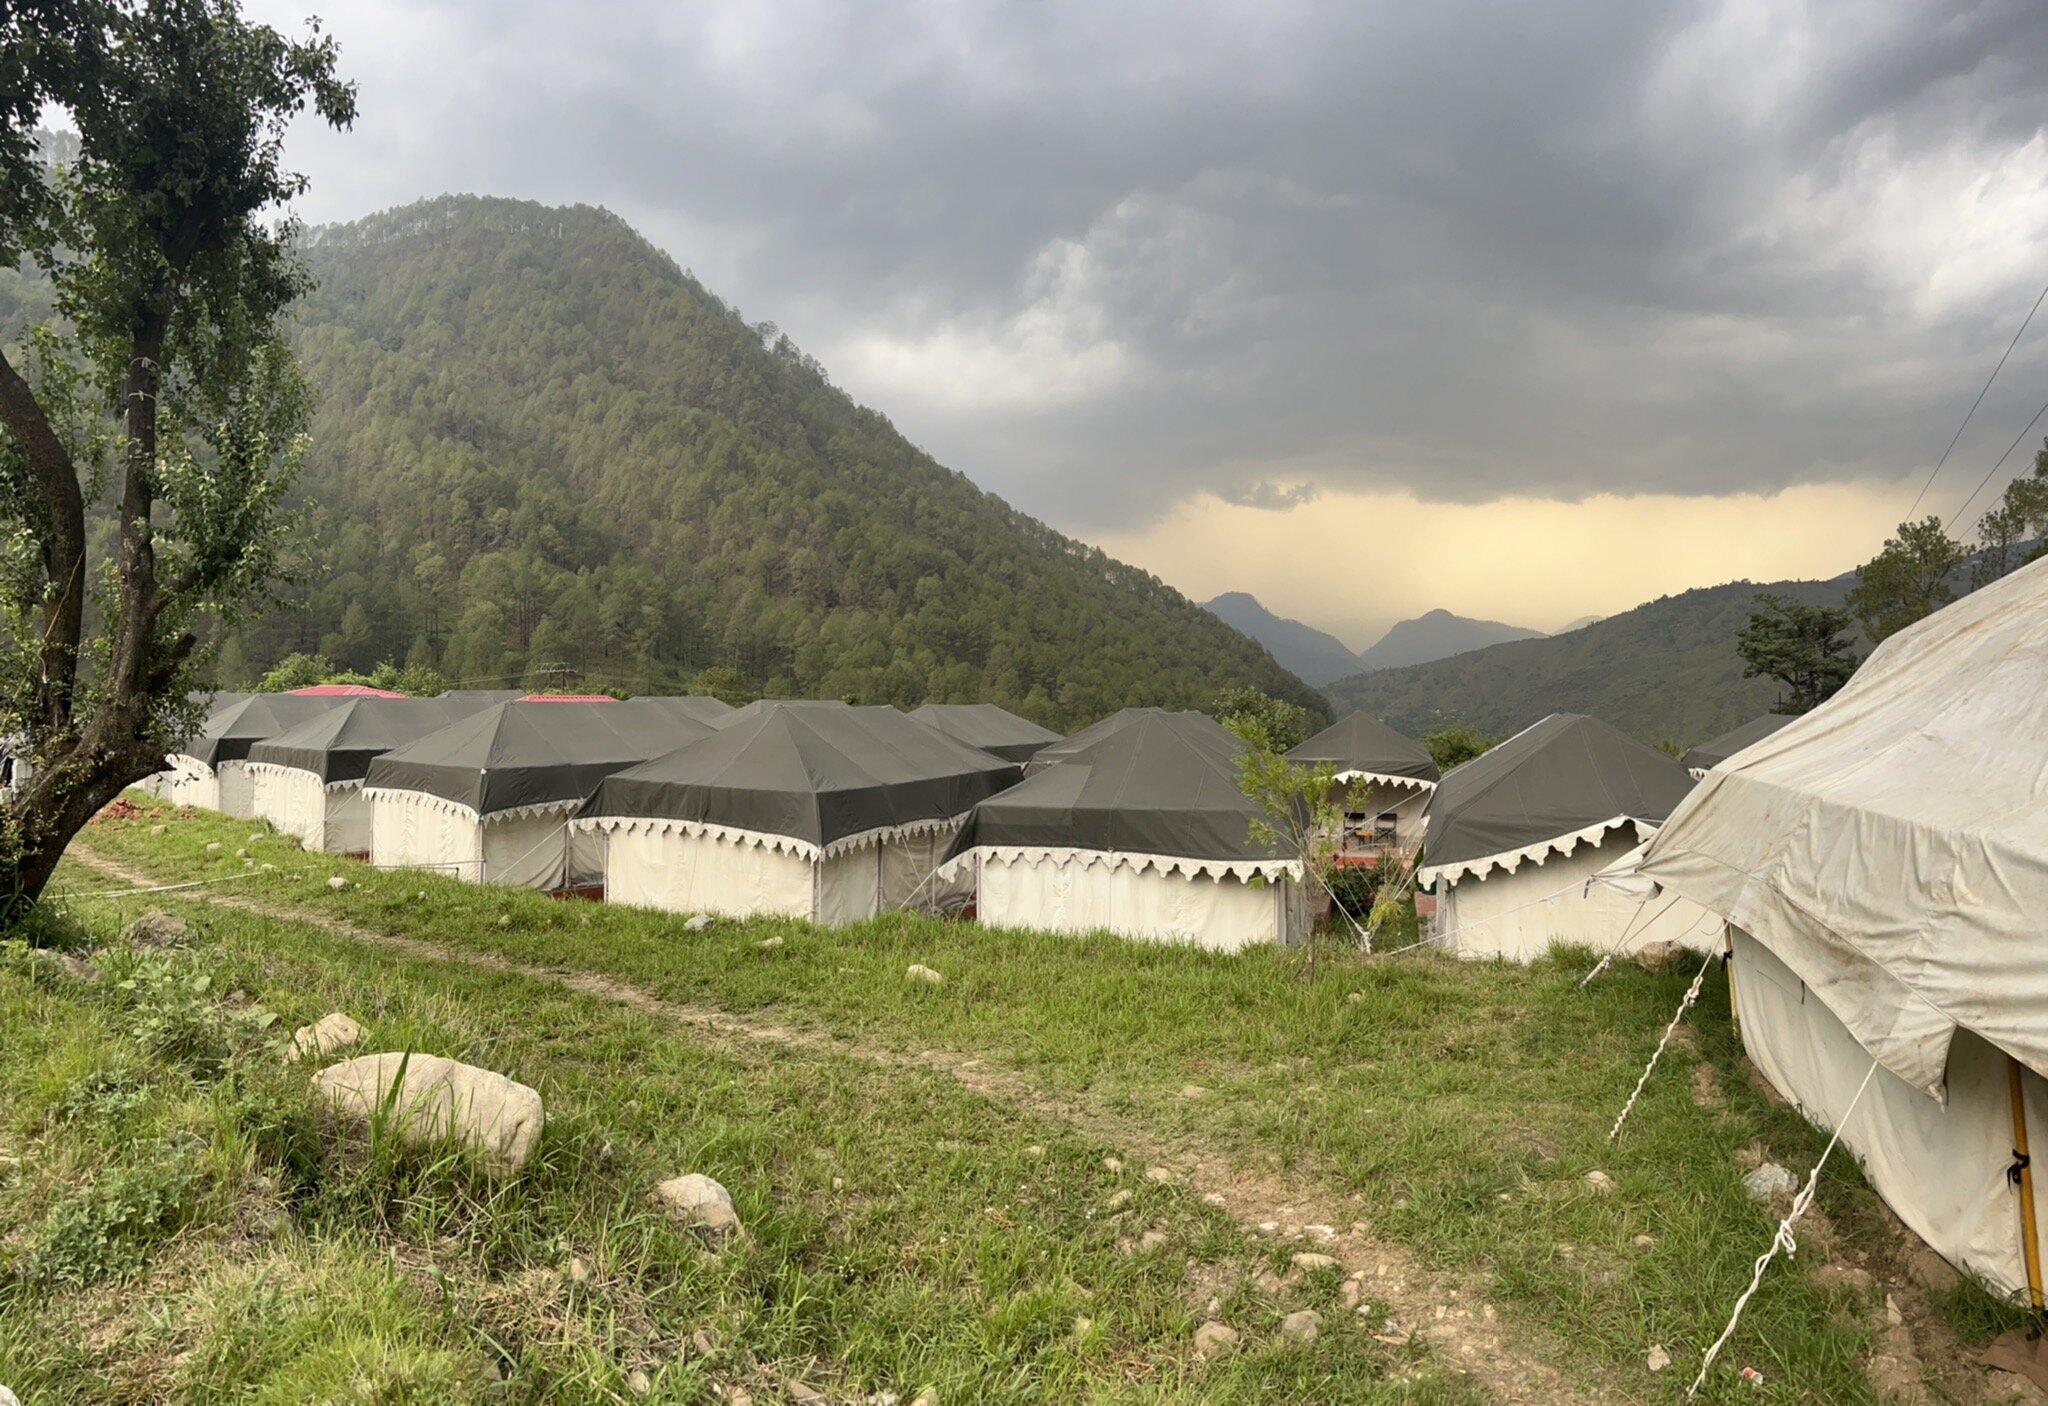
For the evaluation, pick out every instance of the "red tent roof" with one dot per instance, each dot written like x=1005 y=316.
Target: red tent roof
x=345 y=690
x=568 y=698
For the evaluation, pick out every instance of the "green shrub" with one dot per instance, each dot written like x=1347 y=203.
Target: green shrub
x=107 y=1228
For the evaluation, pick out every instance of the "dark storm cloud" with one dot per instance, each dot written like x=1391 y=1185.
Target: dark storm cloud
x=1101 y=257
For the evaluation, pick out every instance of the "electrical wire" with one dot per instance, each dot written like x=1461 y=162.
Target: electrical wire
x=1974 y=404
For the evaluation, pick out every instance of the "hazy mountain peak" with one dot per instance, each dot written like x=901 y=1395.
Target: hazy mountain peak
x=1311 y=655
x=1437 y=634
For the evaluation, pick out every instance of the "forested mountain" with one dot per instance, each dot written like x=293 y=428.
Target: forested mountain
x=1304 y=651
x=1437 y=635
x=1666 y=670
x=539 y=442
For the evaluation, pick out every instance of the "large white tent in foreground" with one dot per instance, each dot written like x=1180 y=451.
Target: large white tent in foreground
x=1883 y=863
x=1516 y=836
x=488 y=798
x=798 y=809
x=1145 y=831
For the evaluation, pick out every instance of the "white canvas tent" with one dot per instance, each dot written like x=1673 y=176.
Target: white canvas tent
x=1883 y=863
x=488 y=798
x=210 y=771
x=1384 y=782
x=1144 y=831
x=800 y=809
x=308 y=780
x=1516 y=836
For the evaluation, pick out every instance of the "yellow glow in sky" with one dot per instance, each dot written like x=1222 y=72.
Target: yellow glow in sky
x=1353 y=564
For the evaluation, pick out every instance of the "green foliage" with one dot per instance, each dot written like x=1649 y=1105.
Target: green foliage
x=540 y=442
x=1806 y=648
x=1668 y=668
x=727 y=685
x=1908 y=580
x=1457 y=744
x=106 y=1228
x=298 y=670
x=1260 y=719
x=2020 y=516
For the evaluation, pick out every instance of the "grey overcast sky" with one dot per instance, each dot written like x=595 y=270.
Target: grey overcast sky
x=1529 y=310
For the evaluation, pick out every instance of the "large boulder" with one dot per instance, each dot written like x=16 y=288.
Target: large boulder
x=431 y=1099
x=157 y=928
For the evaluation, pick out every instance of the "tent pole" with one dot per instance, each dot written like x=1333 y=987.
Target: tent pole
x=2023 y=1177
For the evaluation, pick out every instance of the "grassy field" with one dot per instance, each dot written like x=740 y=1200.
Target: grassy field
x=945 y=1187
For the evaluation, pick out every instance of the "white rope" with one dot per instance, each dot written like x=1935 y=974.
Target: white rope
x=1782 y=1239
x=1692 y=993
x=1607 y=959
x=190 y=884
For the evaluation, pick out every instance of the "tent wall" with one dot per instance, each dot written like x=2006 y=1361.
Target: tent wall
x=348 y=821
x=408 y=829
x=528 y=851
x=190 y=782
x=1514 y=915
x=294 y=801
x=850 y=885
x=1942 y=1169
x=686 y=873
x=237 y=791
x=1078 y=896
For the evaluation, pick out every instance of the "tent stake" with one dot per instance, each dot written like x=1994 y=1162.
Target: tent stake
x=2023 y=1177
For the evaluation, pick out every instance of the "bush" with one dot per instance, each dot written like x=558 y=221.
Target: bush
x=1354 y=886
x=106 y=1228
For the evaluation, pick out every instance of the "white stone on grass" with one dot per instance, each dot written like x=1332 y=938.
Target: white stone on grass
x=1769 y=1180
x=337 y=883
x=431 y=1099
x=1301 y=1326
x=919 y=972
x=327 y=1035
x=703 y=1205
x=1215 y=1340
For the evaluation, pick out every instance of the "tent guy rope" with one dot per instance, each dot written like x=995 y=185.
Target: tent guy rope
x=1692 y=994
x=1782 y=1240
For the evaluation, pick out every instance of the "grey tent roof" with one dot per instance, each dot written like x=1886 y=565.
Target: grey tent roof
x=1159 y=783
x=814 y=771
x=485 y=696
x=1709 y=755
x=709 y=711
x=995 y=730
x=1056 y=752
x=1564 y=774
x=1360 y=743
x=231 y=731
x=340 y=743
x=520 y=754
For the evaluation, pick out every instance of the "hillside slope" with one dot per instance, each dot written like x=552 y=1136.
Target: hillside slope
x=1437 y=635
x=539 y=440
x=1304 y=651
x=1665 y=670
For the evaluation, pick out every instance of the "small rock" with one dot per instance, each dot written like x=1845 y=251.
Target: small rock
x=327 y=1035
x=1162 y=1175
x=256 y=839
x=1301 y=1326
x=504 y=920
x=579 y=1270
x=1269 y=1227
x=771 y=944
x=1658 y=1359
x=1642 y=1242
x=1214 y=1339
x=927 y=1397
x=1769 y=1180
x=1192 y=1091
x=241 y=854
x=1310 y=1261
x=431 y=1098
x=159 y=829
x=704 y=1342
x=639 y=1383
x=703 y=1205
x=1034 y=1150
x=919 y=972
x=739 y=1396
x=157 y=928
x=1600 y=1182
x=1354 y=998
x=1112 y=1165
x=1322 y=1234
x=1932 y=1271
x=77 y=968
x=803 y=1394
x=1216 y=1199
x=1117 y=1201
x=337 y=883
x=698 y=922
x=8 y=1398
x=1891 y=1311
x=1352 y=1294
x=1659 y=956
x=213 y=846
x=1151 y=1240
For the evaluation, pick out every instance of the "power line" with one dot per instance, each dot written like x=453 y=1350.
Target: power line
x=1995 y=467
x=1977 y=402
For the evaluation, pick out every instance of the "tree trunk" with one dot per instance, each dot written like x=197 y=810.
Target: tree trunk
x=62 y=795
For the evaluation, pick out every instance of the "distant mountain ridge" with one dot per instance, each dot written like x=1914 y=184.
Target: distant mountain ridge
x=1311 y=655
x=1666 y=670
x=1437 y=635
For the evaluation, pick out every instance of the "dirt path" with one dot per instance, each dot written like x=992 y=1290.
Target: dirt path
x=1512 y=1363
